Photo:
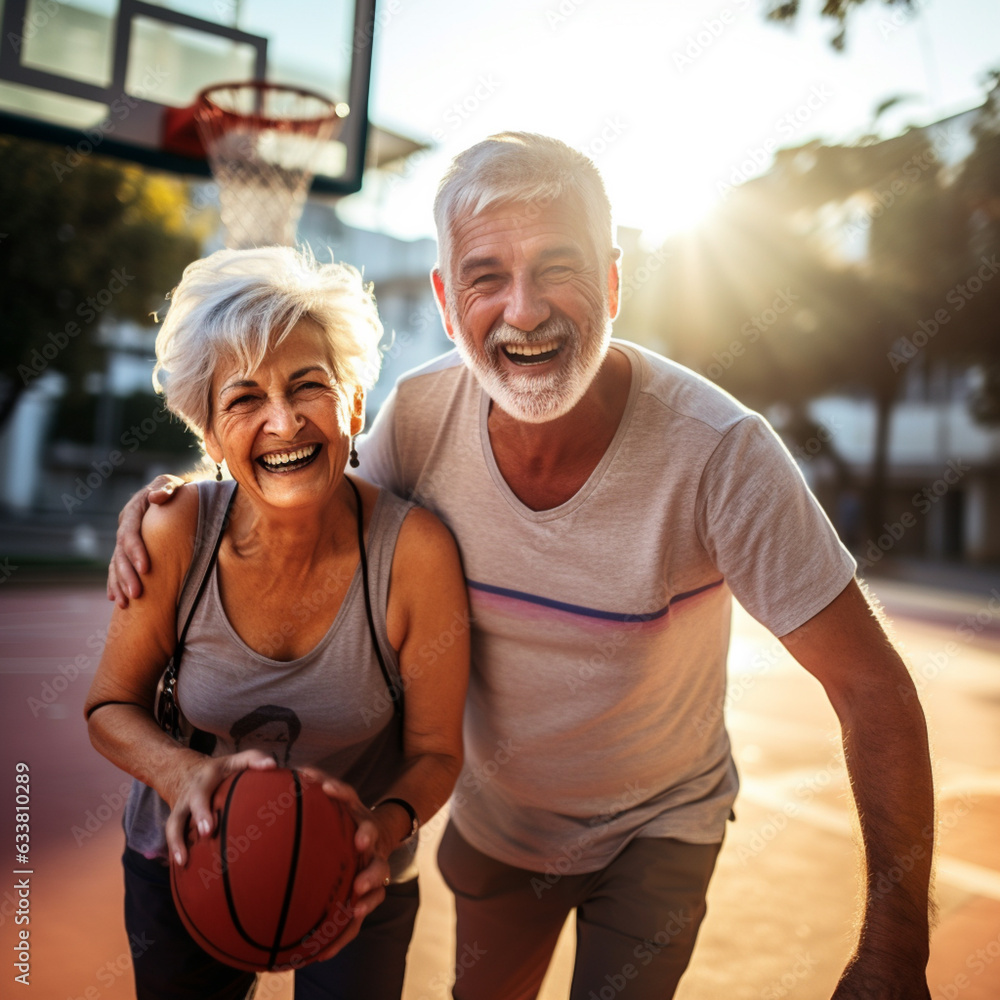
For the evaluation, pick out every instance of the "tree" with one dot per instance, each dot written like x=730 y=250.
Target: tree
x=769 y=301
x=787 y=11
x=84 y=242
x=979 y=187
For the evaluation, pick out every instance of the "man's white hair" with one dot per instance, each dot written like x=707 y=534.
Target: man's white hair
x=241 y=303
x=528 y=170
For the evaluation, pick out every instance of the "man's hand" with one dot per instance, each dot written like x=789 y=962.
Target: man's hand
x=130 y=558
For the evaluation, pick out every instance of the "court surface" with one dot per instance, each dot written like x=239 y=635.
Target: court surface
x=780 y=907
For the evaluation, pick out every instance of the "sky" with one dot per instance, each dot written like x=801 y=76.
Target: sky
x=673 y=101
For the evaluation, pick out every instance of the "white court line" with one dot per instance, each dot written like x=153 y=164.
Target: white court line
x=959 y=874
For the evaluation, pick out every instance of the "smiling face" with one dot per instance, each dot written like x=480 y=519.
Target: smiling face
x=528 y=305
x=284 y=430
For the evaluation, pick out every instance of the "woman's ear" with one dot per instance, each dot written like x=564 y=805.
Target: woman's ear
x=358 y=411
x=212 y=448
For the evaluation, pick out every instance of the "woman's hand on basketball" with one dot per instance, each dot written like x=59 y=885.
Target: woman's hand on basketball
x=372 y=844
x=192 y=808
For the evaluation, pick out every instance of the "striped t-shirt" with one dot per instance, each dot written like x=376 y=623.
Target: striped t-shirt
x=601 y=626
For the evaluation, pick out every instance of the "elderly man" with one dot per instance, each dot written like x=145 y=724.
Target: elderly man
x=608 y=505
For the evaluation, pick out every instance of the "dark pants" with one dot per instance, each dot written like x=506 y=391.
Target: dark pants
x=636 y=920
x=169 y=964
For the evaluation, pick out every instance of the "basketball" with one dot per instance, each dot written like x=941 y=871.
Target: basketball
x=269 y=889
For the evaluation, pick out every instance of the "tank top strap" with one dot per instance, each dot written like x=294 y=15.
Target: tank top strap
x=213 y=501
x=383 y=531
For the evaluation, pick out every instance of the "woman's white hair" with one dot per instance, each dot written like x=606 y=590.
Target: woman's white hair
x=525 y=169
x=241 y=303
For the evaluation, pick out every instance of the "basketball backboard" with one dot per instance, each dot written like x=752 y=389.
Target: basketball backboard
x=100 y=75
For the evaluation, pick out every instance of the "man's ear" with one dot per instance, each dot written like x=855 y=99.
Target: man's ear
x=614 y=283
x=437 y=283
x=358 y=411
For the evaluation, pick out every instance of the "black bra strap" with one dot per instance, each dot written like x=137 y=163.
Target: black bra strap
x=395 y=693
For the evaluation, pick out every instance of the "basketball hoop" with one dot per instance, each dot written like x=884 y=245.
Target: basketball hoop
x=262 y=141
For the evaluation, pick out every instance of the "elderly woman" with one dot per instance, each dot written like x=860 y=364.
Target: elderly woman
x=267 y=354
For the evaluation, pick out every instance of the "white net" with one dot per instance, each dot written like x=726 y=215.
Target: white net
x=262 y=143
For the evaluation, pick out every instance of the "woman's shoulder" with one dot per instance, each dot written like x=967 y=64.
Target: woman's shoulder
x=425 y=541
x=421 y=532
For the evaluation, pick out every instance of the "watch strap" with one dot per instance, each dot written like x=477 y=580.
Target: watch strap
x=410 y=811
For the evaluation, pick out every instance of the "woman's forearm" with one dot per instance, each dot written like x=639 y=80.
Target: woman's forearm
x=130 y=738
x=426 y=783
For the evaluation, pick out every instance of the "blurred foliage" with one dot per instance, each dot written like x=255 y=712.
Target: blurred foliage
x=81 y=245
x=786 y=11
x=862 y=268
x=138 y=421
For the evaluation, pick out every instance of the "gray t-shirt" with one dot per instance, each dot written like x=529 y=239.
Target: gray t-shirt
x=601 y=626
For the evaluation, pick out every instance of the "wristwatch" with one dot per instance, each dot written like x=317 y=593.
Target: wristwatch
x=410 y=811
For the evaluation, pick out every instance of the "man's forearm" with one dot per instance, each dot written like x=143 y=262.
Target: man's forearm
x=888 y=759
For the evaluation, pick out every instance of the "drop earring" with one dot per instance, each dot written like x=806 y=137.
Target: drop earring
x=218 y=473
x=353 y=460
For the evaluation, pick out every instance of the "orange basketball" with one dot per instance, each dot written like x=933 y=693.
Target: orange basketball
x=269 y=889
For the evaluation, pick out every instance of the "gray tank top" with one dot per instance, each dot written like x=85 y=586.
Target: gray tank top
x=331 y=708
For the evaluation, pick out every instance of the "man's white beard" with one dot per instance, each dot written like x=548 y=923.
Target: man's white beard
x=532 y=397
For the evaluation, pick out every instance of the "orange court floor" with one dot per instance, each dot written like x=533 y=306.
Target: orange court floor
x=783 y=901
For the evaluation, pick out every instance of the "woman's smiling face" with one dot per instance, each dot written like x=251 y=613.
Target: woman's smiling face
x=284 y=430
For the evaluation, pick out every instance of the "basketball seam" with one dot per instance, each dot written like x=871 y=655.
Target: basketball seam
x=292 y=870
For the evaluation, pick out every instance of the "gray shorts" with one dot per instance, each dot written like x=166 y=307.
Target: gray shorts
x=636 y=920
